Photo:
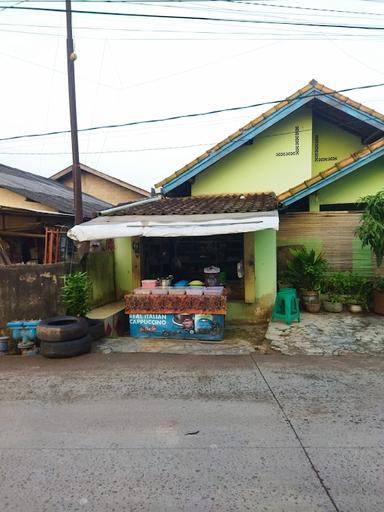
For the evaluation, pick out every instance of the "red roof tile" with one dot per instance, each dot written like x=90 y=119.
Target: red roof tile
x=207 y=204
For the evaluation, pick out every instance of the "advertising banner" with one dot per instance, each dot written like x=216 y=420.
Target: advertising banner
x=204 y=327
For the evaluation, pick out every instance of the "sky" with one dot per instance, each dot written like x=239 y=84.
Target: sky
x=136 y=68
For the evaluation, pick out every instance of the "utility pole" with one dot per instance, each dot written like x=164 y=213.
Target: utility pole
x=76 y=173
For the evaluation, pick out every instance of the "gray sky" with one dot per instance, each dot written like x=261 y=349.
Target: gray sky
x=131 y=69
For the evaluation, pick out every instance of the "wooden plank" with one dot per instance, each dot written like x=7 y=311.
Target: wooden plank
x=136 y=262
x=249 y=268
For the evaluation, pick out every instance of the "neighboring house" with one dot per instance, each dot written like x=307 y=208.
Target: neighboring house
x=102 y=186
x=318 y=150
x=28 y=204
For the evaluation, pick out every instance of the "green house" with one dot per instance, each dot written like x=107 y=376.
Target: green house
x=312 y=157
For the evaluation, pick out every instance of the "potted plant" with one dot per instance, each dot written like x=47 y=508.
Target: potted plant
x=333 y=303
x=305 y=272
x=371 y=234
x=359 y=290
x=335 y=286
x=378 y=296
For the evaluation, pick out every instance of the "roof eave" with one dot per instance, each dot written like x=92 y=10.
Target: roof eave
x=333 y=177
x=239 y=141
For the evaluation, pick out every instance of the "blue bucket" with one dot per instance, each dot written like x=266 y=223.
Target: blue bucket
x=4 y=343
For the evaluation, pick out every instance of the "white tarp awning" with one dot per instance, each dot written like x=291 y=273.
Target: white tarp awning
x=173 y=225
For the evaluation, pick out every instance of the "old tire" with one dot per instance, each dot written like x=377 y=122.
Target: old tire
x=66 y=348
x=62 y=328
x=95 y=329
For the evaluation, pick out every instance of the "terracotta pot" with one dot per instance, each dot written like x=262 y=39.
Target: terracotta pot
x=310 y=296
x=378 y=302
x=333 y=307
x=312 y=307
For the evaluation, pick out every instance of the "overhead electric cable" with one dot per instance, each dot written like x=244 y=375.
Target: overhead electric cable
x=203 y=18
x=298 y=7
x=184 y=116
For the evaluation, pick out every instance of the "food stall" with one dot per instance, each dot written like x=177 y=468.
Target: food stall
x=185 y=311
x=182 y=236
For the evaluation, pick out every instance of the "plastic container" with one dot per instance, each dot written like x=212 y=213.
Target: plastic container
x=160 y=290
x=149 y=283
x=213 y=290
x=194 y=290
x=178 y=290
x=142 y=291
x=4 y=344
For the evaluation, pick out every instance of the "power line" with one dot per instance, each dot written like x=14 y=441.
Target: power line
x=183 y=116
x=203 y=18
x=298 y=7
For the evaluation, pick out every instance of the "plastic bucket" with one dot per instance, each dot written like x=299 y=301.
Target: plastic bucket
x=4 y=344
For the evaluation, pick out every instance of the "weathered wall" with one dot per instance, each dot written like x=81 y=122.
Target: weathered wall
x=331 y=143
x=103 y=189
x=265 y=276
x=276 y=161
x=29 y=292
x=101 y=271
x=364 y=181
x=13 y=200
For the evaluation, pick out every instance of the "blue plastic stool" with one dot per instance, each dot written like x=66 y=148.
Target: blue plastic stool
x=286 y=306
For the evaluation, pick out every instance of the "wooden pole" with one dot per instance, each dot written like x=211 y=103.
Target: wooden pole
x=76 y=173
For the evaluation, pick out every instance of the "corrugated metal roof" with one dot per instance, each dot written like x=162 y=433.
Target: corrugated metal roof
x=46 y=191
x=201 y=205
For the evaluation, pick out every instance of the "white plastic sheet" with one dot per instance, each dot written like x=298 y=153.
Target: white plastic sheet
x=173 y=225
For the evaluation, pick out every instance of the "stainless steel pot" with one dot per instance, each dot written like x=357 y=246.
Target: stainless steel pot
x=166 y=282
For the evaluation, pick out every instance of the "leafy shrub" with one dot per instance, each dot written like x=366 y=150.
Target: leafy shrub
x=371 y=228
x=348 y=288
x=305 y=269
x=76 y=293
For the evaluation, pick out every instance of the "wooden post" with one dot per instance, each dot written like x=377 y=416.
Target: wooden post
x=249 y=268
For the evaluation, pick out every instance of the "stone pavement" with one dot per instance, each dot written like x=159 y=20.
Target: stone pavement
x=329 y=334
x=239 y=340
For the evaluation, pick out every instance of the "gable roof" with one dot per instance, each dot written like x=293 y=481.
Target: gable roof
x=68 y=170
x=46 y=191
x=312 y=92
x=354 y=161
x=200 y=205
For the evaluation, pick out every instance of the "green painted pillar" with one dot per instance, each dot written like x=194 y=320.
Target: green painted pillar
x=265 y=270
x=123 y=266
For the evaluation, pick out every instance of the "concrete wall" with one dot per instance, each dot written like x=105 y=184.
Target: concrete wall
x=265 y=282
x=29 y=292
x=101 y=271
x=123 y=266
x=103 y=189
x=269 y=164
x=14 y=200
x=331 y=143
x=364 y=181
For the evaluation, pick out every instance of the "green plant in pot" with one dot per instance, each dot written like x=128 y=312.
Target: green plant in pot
x=76 y=293
x=305 y=272
x=335 y=287
x=371 y=234
x=358 y=292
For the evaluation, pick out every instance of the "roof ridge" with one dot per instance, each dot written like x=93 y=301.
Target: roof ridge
x=312 y=84
x=102 y=175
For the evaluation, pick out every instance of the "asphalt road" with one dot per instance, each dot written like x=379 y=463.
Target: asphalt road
x=136 y=432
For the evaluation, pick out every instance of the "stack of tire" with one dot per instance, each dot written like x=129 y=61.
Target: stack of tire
x=67 y=336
